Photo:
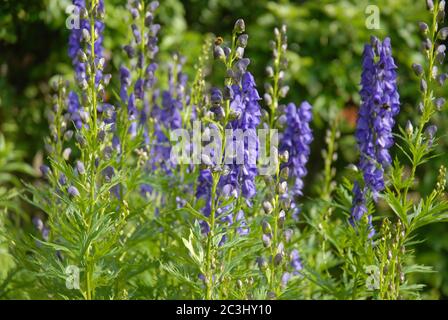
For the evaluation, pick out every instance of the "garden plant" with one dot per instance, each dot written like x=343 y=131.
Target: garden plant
x=215 y=172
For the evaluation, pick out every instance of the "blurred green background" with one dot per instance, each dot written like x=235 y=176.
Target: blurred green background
x=326 y=40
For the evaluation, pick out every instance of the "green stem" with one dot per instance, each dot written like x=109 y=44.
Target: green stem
x=427 y=104
x=216 y=176
x=92 y=151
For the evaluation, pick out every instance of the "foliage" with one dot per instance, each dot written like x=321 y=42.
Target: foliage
x=114 y=211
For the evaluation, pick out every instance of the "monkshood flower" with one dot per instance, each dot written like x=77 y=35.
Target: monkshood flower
x=76 y=50
x=140 y=96
x=125 y=81
x=203 y=191
x=245 y=105
x=239 y=179
x=139 y=54
x=359 y=207
x=75 y=47
x=74 y=108
x=296 y=140
x=296 y=265
x=168 y=117
x=79 y=50
x=380 y=104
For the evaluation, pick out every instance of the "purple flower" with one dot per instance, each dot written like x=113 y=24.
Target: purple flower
x=73 y=191
x=75 y=43
x=296 y=140
x=359 y=208
x=379 y=105
x=62 y=179
x=76 y=47
x=204 y=191
x=296 y=263
x=74 y=108
x=80 y=167
x=241 y=179
x=125 y=82
x=45 y=170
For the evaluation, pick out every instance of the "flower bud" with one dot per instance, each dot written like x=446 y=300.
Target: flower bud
x=62 y=179
x=282 y=187
x=66 y=153
x=439 y=103
x=267 y=207
x=134 y=13
x=240 y=26
x=85 y=35
x=218 y=53
x=418 y=69
x=423 y=85
x=81 y=140
x=153 y=6
x=80 y=167
x=100 y=64
x=239 y=53
x=129 y=51
x=83 y=13
x=262 y=264
x=45 y=170
x=409 y=128
x=423 y=27
x=288 y=234
x=284 y=156
x=284 y=91
x=284 y=173
x=266 y=227
x=285 y=203
x=281 y=219
x=73 y=191
x=268 y=99
x=82 y=56
x=68 y=135
x=242 y=40
x=269 y=71
x=278 y=259
x=426 y=44
x=266 y=241
x=443 y=33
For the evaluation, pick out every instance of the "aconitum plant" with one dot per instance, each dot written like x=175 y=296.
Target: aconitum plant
x=173 y=178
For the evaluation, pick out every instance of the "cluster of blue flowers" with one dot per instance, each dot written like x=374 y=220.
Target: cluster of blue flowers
x=141 y=52
x=167 y=117
x=296 y=141
x=380 y=104
x=239 y=179
x=79 y=52
x=245 y=104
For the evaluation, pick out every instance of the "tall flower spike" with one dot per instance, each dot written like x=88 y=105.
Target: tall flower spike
x=380 y=103
x=245 y=105
x=296 y=141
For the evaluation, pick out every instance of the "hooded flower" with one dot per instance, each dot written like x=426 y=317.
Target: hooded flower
x=380 y=103
x=243 y=169
x=296 y=140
